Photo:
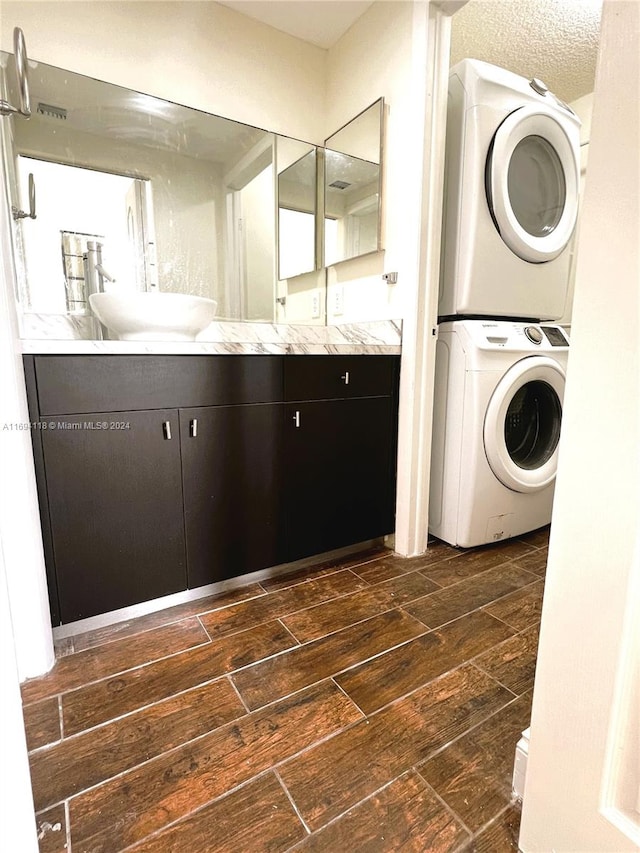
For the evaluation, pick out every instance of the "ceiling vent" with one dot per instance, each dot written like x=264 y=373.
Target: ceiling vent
x=340 y=185
x=52 y=112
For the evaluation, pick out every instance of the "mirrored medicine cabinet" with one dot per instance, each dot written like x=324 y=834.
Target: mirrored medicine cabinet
x=353 y=187
x=169 y=198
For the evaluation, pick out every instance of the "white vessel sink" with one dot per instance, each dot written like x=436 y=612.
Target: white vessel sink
x=153 y=316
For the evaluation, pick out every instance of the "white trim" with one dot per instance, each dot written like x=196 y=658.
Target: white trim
x=417 y=378
x=520 y=765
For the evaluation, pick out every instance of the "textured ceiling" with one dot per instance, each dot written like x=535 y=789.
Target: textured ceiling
x=554 y=40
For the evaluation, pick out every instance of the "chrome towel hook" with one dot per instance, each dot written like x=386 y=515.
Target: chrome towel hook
x=21 y=214
x=21 y=60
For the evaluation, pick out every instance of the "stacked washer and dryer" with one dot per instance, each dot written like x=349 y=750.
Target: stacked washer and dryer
x=511 y=202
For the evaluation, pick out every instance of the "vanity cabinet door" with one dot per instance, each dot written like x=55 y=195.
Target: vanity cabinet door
x=115 y=505
x=232 y=478
x=340 y=457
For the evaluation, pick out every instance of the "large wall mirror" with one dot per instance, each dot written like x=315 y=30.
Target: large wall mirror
x=170 y=198
x=159 y=196
x=352 y=187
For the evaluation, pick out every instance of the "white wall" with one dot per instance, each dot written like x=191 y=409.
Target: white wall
x=20 y=538
x=375 y=58
x=583 y=685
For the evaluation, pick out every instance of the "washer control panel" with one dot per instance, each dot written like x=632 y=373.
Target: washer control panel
x=511 y=335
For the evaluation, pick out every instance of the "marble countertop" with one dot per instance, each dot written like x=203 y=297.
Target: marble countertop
x=381 y=337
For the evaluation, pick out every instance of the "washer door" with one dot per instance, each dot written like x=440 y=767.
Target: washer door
x=522 y=424
x=532 y=184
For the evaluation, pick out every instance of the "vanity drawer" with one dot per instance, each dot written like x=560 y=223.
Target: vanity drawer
x=76 y=384
x=327 y=377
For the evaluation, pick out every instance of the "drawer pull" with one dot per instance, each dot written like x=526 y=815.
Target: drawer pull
x=345 y=377
x=296 y=419
x=166 y=428
x=193 y=427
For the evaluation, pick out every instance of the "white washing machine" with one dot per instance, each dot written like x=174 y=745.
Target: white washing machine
x=496 y=426
x=511 y=196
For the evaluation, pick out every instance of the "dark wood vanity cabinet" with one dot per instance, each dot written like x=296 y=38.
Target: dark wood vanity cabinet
x=340 y=445
x=230 y=464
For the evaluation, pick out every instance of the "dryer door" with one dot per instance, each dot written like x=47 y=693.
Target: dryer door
x=532 y=184
x=522 y=424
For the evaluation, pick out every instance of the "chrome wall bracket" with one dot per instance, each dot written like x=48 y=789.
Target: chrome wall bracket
x=21 y=61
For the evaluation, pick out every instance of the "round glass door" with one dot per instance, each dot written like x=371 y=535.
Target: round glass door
x=532 y=425
x=537 y=187
x=522 y=424
x=532 y=184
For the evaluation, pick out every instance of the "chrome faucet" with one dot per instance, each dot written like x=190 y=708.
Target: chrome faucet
x=94 y=273
x=102 y=271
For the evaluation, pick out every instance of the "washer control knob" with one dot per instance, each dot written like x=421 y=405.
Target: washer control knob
x=538 y=86
x=534 y=334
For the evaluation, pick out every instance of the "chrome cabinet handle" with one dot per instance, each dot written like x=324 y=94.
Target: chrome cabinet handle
x=345 y=377
x=166 y=428
x=296 y=419
x=193 y=427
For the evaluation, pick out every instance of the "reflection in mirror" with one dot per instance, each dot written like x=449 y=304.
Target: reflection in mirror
x=68 y=234
x=297 y=205
x=158 y=196
x=352 y=187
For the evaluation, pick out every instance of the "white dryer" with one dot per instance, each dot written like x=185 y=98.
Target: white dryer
x=511 y=196
x=496 y=426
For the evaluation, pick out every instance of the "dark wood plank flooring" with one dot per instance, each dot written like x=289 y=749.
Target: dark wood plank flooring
x=370 y=704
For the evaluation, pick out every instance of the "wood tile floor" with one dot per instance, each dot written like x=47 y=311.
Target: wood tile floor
x=369 y=704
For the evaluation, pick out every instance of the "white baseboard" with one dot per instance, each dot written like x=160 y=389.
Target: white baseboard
x=520 y=765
